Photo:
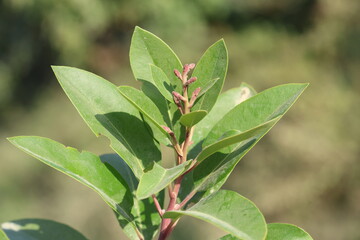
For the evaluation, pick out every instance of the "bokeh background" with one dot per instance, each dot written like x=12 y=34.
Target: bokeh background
x=306 y=171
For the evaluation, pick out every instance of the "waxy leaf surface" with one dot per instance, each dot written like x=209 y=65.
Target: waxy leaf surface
x=146 y=49
x=144 y=211
x=108 y=113
x=157 y=179
x=229 y=211
x=162 y=82
x=84 y=167
x=283 y=231
x=226 y=101
x=39 y=229
x=145 y=106
x=192 y=118
x=212 y=65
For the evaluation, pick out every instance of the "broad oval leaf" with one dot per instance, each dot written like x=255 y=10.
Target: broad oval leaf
x=145 y=106
x=108 y=113
x=39 y=229
x=192 y=118
x=237 y=138
x=229 y=211
x=146 y=49
x=84 y=167
x=261 y=108
x=162 y=82
x=157 y=179
x=142 y=209
x=212 y=65
x=283 y=231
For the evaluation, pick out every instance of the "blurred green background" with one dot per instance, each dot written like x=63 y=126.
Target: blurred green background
x=306 y=171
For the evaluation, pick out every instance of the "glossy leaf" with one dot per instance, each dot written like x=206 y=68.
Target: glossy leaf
x=108 y=113
x=237 y=138
x=229 y=211
x=226 y=101
x=212 y=172
x=84 y=167
x=192 y=118
x=157 y=179
x=39 y=229
x=145 y=106
x=282 y=231
x=162 y=82
x=144 y=211
x=262 y=107
x=212 y=65
x=146 y=49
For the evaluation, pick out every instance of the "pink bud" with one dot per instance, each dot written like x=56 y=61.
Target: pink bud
x=177 y=74
x=178 y=96
x=196 y=92
x=191 y=66
x=191 y=80
x=168 y=130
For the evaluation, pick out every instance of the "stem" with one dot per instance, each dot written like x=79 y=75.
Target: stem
x=157 y=205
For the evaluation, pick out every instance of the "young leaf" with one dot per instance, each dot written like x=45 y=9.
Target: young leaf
x=192 y=118
x=226 y=101
x=145 y=106
x=84 y=167
x=212 y=65
x=157 y=179
x=228 y=237
x=282 y=231
x=39 y=229
x=229 y=211
x=142 y=209
x=262 y=107
x=146 y=49
x=237 y=138
x=162 y=82
x=108 y=113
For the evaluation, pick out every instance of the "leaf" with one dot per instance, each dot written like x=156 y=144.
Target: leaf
x=282 y=231
x=212 y=65
x=144 y=211
x=213 y=171
x=84 y=167
x=157 y=179
x=229 y=211
x=192 y=118
x=3 y=235
x=262 y=107
x=39 y=229
x=108 y=113
x=162 y=82
x=237 y=138
x=224 y=104
x=139 y=100
x=146 y=49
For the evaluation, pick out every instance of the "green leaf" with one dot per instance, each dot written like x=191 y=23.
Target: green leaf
x=213 y=171
x=282 y=231
x=39 y=229
x=261 y=108
x=192 y=118
x=145 y=106
x=157 y=179
x=84 y=167
x=146 y=49
x=237 y=138
x=224 y=104
x=108 y=113
x=212 y=65
x=162 y=82
x=3 y=235
x=144 y=211
x=229 y=211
